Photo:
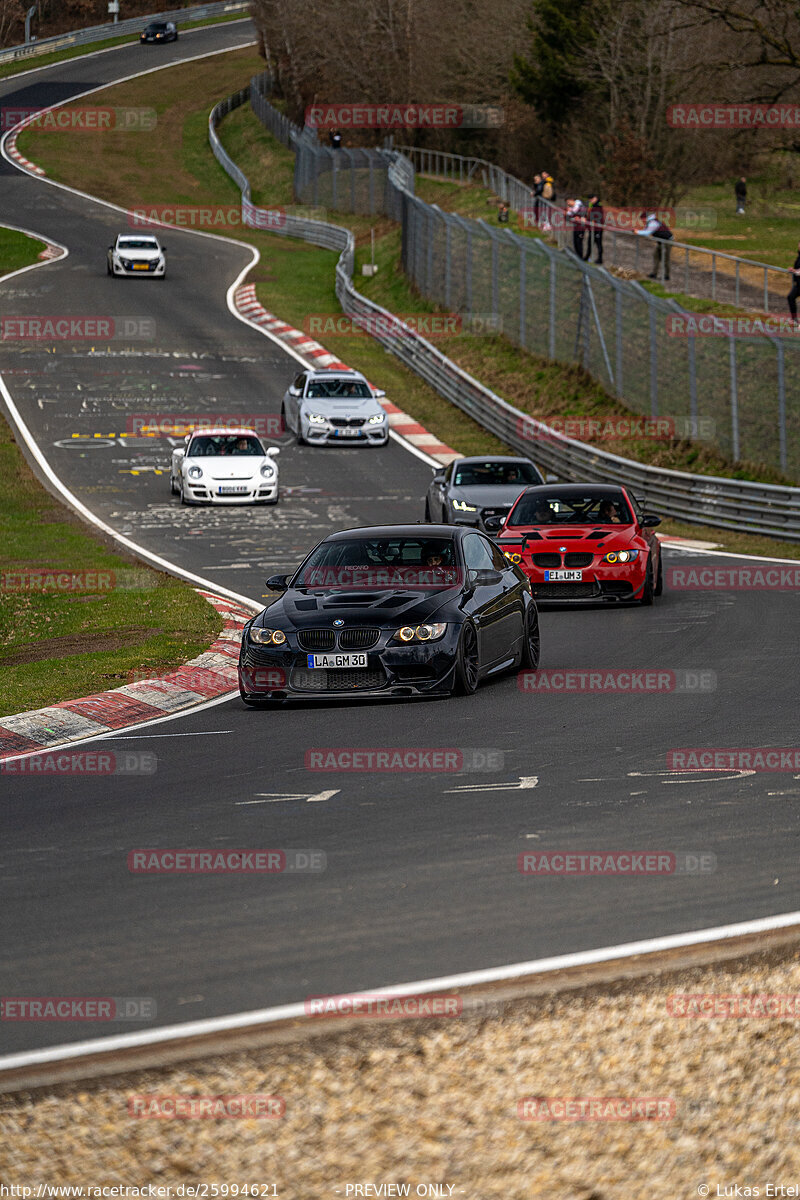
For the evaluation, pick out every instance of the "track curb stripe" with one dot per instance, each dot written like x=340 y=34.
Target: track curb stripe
x=211 y=674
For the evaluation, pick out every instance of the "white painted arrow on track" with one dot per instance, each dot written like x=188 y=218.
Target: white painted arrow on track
x=525 y=781
x=279 y=797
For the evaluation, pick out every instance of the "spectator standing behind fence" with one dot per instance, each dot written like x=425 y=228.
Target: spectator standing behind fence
x=536 y=194
x=335 y=139
x=502 y=213
x=594 y=233
x=548 y=188
x=663 y=235
x=741 y=195
x=795 y=292
x=576 y=217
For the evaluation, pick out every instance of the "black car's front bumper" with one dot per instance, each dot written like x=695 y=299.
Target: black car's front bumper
x=282 y=673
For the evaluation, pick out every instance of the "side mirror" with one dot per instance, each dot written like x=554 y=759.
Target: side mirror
x=293 y=391
x=650 y=521
x=186 y=439
x=378 y=393
x=273 y=452
x=278 y=583
x=111 y=247
x=438 y=474
x=485 y=578
x=163 y=249
x=493 y=524
x=551 y=479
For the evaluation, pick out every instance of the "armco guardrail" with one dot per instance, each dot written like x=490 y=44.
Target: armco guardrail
x=698 y=499
x=103 y=33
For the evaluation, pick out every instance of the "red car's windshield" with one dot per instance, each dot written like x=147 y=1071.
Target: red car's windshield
x=539 y=508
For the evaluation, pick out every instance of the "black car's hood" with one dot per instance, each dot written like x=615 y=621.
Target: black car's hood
x=489 y=495
x=302 y=608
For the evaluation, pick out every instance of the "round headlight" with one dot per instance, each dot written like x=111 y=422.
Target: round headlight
x=514 y=558
x=611 y=557
x=267 y=471
x=194 y=472
x=278 y=637
x=406 y=634
x=623 y=556
x=424 y=632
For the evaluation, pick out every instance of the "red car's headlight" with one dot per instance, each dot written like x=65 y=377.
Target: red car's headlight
x=623 y=556
x=514 y=555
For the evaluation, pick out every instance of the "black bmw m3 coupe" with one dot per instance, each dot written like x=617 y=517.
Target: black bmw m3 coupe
x=393 y=610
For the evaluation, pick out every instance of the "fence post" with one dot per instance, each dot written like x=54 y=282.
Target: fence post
x=552 y=349
x=523 y=261
x=781 y=406
x=448 y=238
x=429 y=255
x=653 y=362
x=618 y=323
x=694 y=415
x=734 y=401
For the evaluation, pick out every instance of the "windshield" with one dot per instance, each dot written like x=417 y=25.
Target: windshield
x=381 y=563
x=137 y=244
x=339 y=389
x=209 y=446
x=155 y=29
x=585 y=509
x=493 y=474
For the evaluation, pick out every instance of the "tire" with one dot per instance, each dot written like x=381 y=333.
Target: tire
x=180 y=493
x=108 y=268
x=467 y=662
x=648 y=590
x=428 y=517
x=531 y=647
x=659 y=588
x=172 y=487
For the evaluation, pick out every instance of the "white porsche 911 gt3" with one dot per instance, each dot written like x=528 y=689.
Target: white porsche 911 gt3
x=225 y=466
x=137 y=254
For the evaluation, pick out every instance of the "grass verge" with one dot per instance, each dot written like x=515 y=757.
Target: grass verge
x=17 y=250
x=296 y=280
x=117 y=620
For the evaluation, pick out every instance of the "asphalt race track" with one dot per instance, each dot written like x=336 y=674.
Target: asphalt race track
x=421 y=875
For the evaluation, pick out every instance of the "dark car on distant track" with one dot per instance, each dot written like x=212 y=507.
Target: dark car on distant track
x=585 y=542
x=471 y=491
x=391 y=610
x=159 y=31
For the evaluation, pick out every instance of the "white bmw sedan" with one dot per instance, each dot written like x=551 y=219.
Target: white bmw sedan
x=331 y=407
x=225 y=466
x=137 y=254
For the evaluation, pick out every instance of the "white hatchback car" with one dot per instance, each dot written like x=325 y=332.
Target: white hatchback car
x=137 y=254
x=225 y=466
x=330 y=407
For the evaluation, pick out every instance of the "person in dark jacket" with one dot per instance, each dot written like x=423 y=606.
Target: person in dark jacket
x=654 y=228
x=594 y=218
x=335 y=139
x=576 y=216
x=536 y=192
x=741 y=195
x=795 y=292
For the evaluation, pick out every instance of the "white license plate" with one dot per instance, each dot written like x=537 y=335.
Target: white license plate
x=337 y=660
x=233 y=491
x=348 y=432
x=563 y=576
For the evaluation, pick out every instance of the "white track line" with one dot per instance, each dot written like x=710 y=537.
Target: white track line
x=267 y=1016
